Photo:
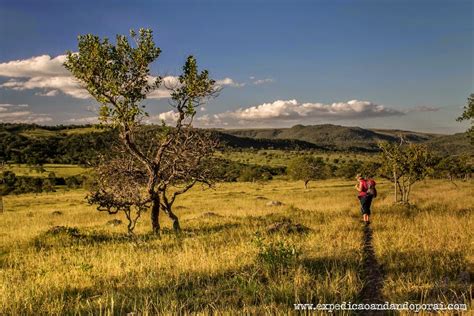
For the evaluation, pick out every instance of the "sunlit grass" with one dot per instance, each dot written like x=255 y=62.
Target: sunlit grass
x=60 y=170
x=279 y=158
x=213 y=265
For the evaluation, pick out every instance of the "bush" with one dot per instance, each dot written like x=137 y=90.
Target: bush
x=349 y=169
x=73 y=182
x=254 y=173
x=276 y=255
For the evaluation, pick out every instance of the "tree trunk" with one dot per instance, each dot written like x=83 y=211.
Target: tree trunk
x=155 y=216
x=408 y=192
x=174 y=218
x=395 y=182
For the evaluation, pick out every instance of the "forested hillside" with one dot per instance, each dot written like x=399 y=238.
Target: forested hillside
x=32 y=144
x=355 y=138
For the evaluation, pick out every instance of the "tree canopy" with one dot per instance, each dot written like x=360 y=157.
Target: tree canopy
x=171 y=161
x=468 y=114
x=308 y=168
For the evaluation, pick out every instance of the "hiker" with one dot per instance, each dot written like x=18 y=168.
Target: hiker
x=367 y=192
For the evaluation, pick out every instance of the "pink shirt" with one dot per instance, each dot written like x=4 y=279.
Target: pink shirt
x=363 y=187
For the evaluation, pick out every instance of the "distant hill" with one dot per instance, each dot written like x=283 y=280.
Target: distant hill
x=354 y=138
x=26 y=143
x=451 y=144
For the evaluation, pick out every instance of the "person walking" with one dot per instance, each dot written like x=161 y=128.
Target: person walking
x=367 y=192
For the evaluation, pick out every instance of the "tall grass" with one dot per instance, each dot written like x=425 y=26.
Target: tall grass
x=60 y=170
x=226 y=259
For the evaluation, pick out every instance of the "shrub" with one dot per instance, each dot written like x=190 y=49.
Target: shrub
x=276 y=255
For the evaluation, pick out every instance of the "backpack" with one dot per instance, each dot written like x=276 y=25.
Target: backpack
x=371 y=190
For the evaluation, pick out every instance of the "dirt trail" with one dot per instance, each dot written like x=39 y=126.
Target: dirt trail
x=372 y=276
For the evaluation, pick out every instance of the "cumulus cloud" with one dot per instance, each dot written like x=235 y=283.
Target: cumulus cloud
x=229 y=82
x=39 y=66
x=16 y=113
x=44 y=73
x=294 y=111
x=169 y=117
x=51 y=93
x=48 y=75
x=163 y=92
x=66 y=84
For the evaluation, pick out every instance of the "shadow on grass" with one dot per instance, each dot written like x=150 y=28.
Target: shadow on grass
x=190 y=293
x=249 y=287
x=321 y=266
x=434 y=275
x=64 y=236
x=412 y=210
x=206 y=228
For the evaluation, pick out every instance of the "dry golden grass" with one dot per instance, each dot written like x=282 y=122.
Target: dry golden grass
x=218 y=265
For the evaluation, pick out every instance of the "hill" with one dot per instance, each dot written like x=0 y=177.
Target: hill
x=355 y=138
x=24 y=143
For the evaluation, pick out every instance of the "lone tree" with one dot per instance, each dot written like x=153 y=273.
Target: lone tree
x=468 y=114
x=151 y=166
x=308 y=169
x=404 y=164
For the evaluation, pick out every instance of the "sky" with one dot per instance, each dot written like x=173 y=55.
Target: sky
x=374 y=64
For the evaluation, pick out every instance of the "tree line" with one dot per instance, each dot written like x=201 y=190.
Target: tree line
x=10 y=183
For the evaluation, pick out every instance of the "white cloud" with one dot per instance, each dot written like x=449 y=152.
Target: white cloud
x=229 y=82
x=66 y=84
x=9 y=115
x=48 y=75
x=44 y=73
x=16 y=113
x=169 y=117
x=39 y=66
x=84 y=120
x=23 y=117
x=51 y=93
x=293 y=111
x=4 y=106
x=263 y=81
x=163 y=92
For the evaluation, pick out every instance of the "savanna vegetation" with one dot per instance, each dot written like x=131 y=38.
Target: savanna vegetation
x=244 y=232
x=236 y=251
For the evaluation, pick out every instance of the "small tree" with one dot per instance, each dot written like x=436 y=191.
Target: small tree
x=348 y=169
x=468 y=114
x=168 y=164
x=308 y=169
x=454 y=167
x=405 y=164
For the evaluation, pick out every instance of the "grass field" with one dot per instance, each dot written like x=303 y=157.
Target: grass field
x=227 y=259
x=278 y=158
x=60 y=170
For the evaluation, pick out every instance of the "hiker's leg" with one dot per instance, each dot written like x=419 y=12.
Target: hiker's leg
x=365 y=201
x=361 y=199
x=368 y=203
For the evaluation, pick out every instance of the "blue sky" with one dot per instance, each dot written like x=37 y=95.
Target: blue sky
x=385 y=64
